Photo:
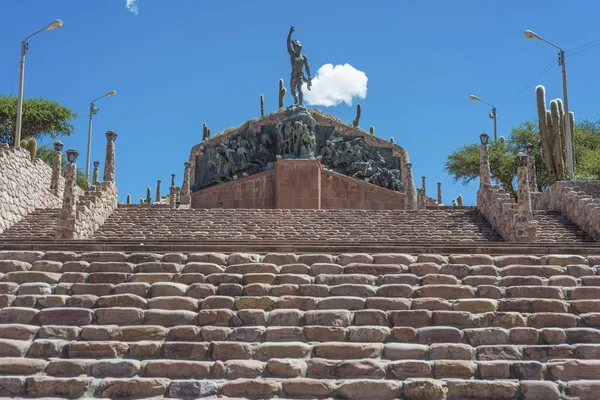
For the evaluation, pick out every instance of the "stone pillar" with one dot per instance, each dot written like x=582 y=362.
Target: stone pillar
x=56 y=167
x=158 y=190
x=185 y=188
x=411 y=190
x=439 y=193
x=484 y=166
x=172 y=192
x=423 y=186
x=95 y=173
x=421 y=199
x=65 y=226
x=525 y=228
x=531 y=174
x=109 y=163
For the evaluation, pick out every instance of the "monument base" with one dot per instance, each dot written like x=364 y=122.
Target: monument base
x=299 y=184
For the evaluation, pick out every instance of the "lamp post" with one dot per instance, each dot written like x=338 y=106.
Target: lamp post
x=56 y=24
x=484 y=161
x=561 y=61
x=493 y=114
x=93 y=110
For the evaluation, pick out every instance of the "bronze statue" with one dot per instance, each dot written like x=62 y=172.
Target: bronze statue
x=298 y=61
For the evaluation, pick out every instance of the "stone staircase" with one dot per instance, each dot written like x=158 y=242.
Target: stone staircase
x=299 y=326
x=444 y=225
x=40 y=224
x=553 y=227
x=148 y=224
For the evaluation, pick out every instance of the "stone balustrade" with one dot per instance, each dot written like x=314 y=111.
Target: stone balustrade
x=25 y=185
x=578 y=201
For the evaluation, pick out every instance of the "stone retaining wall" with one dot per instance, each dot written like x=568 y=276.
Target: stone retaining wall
x=91 y=214
x=24 y=186
x=498 y=208
x=578 y=201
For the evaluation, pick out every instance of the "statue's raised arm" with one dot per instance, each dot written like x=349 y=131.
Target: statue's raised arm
x=289 y=42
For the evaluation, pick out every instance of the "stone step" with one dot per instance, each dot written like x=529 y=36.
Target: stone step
x=310 y=326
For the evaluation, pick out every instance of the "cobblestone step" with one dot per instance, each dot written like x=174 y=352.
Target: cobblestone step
x=285 y=325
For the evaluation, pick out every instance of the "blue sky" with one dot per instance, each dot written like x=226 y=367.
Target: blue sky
x=178 y=64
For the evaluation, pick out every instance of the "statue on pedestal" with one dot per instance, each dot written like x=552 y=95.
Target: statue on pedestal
x=298 y=61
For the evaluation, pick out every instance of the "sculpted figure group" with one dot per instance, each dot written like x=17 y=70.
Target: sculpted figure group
x=243 y=153
x=354 y=158
x=296 y=139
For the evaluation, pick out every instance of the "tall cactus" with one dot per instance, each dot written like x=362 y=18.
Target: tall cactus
x=128 y=199
x=205 y=132
x=552 y=134
x=282 y=92
x=262 y=105
x=357 y=119
x=372 y=130
x=32 y=147
x=149 y=195
x=23 y=143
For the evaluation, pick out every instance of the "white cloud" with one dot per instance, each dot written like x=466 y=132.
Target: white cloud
x=132 y=6
x=333 y=85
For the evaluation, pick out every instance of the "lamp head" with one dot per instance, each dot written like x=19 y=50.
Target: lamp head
x=187 y=164
x=529 y=148
x=58 y=145
x=475 y=98
x=111 y=136
x=56 y=24
x=484 y=138
x=531 y=35
x=111 y=93
x=521 y=159
x=96 y=164
x=72 y=155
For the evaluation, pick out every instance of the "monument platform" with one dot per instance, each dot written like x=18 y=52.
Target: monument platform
x=298 y=184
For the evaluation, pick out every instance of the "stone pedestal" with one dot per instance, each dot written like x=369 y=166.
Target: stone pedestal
x=185 y=188
x=298 y=184
x=56 y=167
x=65 y=226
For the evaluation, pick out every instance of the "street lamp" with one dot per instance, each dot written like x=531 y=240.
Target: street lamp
x=111 y=136
x=484 y=138
x=529 y=148
x=58 y=145
x=56 y=24
x=72 y=155
x=493 y=114
x=561 y=62
x=93 y=110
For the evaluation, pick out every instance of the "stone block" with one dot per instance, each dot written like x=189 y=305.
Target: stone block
x=484 y=390
x=405 y=351
x=345 y=351
x=307 y=387
x=96 y=349
x=538 y=390
x=186 y=350
x=424 y=389
x=369 y=389
x=411 y=318
x=144 y=332
x=218 y=317
x=325 y=333
x=285 y=368
x=251 y=388
x=115 y=368
x=244 y=369
x=231 y=351
x=41 y=386
x=410 y=369
x=442 y=334
x=132 y=387
x=328 y=318
x=119 y=316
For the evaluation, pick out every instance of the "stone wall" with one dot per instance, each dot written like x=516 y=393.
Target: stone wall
x=256 y=191
x=93 y=208
x=577 y=200
x=342 y=192
x=24 y=186
x=498 y=208
x=299 y=184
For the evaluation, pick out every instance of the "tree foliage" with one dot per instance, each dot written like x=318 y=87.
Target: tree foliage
x=41 y=117
x=46 y=154
x=463 y=164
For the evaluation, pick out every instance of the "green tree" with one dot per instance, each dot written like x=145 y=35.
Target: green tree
x=46 y=154
x=463 y=164
x=41 y=117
